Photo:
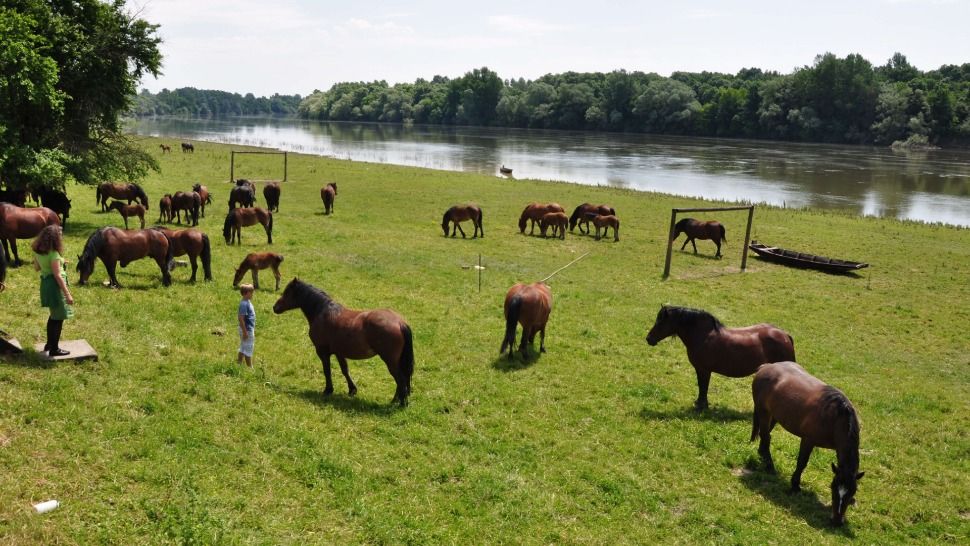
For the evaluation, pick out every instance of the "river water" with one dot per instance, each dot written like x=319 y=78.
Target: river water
x=932 y=186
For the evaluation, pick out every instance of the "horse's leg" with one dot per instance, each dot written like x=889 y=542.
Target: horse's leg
x=692 y=242
x=110 y=268
x=533 y=230
x=683 y=246
x=324 y=355
x=542 y=339
x=454 y=228
x=718 y=243
x=126 y=221
x=16 y=255
x=764 y=448
x=703 y=380
x=269 y=233
x=142 y=218
x=276 y=273
x=255 y=271
x=195 y=265
x=400 y=392
x=351 y=388
x=460 y=230
x=804 y=452
x=527 y=336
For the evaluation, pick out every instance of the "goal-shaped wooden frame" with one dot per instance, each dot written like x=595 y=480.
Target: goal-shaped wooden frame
x=673 y=222
x=232 y=163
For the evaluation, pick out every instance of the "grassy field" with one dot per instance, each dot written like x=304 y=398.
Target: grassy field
x=167 y=440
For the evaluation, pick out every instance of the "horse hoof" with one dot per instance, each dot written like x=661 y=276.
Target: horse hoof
x=352 y=392
x=542 y=349
x=327 y=392
x=795 y=490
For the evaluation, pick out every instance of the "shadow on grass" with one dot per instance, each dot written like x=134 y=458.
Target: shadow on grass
x=805 y=504
x=849 y=274
x=28 y=359
x=718 y=414
x=341 y=402
x=700 y=255
x=502 y=363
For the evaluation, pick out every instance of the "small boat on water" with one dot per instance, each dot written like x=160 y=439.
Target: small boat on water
x=801 y=259
x=504 y=170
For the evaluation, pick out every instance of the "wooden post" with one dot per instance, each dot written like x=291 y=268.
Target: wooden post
x=747 y=238
x=479 y=273
x=285 y=157
x=232 y=165
x=670 y=242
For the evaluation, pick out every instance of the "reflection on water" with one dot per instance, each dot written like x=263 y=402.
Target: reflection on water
x=932 y=186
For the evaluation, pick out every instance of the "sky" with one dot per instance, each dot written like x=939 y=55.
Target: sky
x=297 y=46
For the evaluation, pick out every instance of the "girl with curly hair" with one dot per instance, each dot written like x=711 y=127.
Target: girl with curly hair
x=54 y=293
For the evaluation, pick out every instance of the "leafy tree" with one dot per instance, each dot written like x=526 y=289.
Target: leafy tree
x=666 y=106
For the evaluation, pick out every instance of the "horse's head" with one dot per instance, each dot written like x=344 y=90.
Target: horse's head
x=334 y=184
x=238 y=277
x=524 y=219
x=84 y=269
x=844 y=486
x=663 y=327
x=288 y=300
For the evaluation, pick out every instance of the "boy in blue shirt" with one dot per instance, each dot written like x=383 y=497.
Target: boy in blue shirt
x=247 y=325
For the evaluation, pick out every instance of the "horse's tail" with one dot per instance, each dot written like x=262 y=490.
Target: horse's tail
x=227 y=228
x=515 y=308
x=97 y=195
x=169 y=263
x=481 y=220
x=269 y=232
x=406 y=362
x=206 y=257
x=444 y=222
x=723 y=233
x=755 y=425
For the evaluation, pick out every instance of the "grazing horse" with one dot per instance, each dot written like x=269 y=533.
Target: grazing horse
x=580 y=215
x=695 y=229
x=336 y=330
x=243 y=193
x=57 y=201
x=271 y=192
x=192 y=242
x=461 y=213
x=535 y=212
x=328 y=193
x=558 y=221
x=255 y=261
x=817 y=413
x=204 y=194
x=22 y=223
x=188 y=147
x=129 y=210
x=130 y=192
x=165 y=208
x=113 y=245
x=165 y=148
x=605 y=222
x=712 y=347
x=190 y=203
x=528 y=305
x=244 y=217
x=14 y=197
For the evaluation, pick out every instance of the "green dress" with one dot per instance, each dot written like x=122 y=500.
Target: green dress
x=50 y=293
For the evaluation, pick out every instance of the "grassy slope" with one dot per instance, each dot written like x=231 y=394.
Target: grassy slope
x=593 y=443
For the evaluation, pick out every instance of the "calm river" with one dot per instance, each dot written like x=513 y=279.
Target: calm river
x=932 y=186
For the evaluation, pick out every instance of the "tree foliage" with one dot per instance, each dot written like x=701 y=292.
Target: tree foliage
x=189 y=101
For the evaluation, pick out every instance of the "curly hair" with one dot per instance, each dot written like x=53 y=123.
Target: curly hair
x=49 y=239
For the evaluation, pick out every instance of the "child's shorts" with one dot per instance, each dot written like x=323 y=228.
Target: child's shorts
x=246 y=345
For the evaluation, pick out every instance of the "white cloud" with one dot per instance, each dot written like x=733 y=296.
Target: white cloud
x=514 y=23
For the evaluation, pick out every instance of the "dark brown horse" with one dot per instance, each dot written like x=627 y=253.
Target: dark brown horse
x=188 y=202
x=328 y=193
x=165 y=208
x=695 y=229
x=113 y=245
x=255 y=261
x=535 y=212
x=580 y=215
x=271 y=192
x=204 y=195
x=558 y=221
x=460 y=213
x=605 y=222
x=57 y=201
x=129 y=210
x=188 y=147
x=820 y=415
x=712 y=347
x=244 y=193
x=240 y=218
x=22 y=223
x=165 y=149
x=528 y=305
x=14 y=197
x=356 y=335
x=192 y=242
x=129 y=192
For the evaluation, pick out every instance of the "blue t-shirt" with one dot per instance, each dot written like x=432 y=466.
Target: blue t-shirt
x=246 y=310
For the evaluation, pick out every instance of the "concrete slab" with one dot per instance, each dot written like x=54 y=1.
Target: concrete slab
x=10 y=346
x=79 y=349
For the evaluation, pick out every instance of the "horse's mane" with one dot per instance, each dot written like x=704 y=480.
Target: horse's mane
x=576 y=212
x=138 y=191
x=313 y=300
x=93 y=246
x=834 y=402
x=683 y=223
x=688 y=316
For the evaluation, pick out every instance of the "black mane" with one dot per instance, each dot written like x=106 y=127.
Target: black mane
x=92 y=247
x=835 y=403
x=312 y=300
x=682 y=224
x=694 y=317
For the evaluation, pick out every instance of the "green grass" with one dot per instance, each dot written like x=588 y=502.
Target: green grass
x=166 y=440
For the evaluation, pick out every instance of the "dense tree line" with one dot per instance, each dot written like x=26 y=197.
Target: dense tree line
x=189 y=101
x=846 y=100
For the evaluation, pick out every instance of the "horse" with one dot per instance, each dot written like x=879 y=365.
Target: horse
x=528 y=305
x=165 y=149
x=190 y=203
x=14 y=197
x=712 y=347
x=605 y=222
x=328 y=193
x=129 y=210
x=22 y=223
x=57 y=201
x=580 y=215
x=204 y=195
x=695 y=229
x=188 y=147
x=130 y=192
x=535 y=212
x=351 y=334
x=461 y=213
x=255 y=261
x=243 y=193
x=244 y=217
x=113 y=245
x=165 y=208
x=271 y=192
x=817 y=413
x=558 y=221
x=192 y=242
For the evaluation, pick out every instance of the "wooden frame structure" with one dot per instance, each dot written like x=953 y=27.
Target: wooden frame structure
x=673 y=222
x=232 y=163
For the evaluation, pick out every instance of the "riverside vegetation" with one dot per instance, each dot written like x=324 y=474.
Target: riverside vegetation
x=596 y=441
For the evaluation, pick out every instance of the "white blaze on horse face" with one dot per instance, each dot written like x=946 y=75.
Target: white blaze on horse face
x=842 y=492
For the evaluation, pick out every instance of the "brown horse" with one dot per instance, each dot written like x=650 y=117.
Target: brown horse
x=558 y=221
x=336 y=330
x=328 y=193
x=165 y=208
x=22 y=223
x=190 y=203
x=113 y=245
x=129 y=210
x=528 y=305
x=192 y=242
x=820 y=415
x=240 y=218
x=188 y=147
x=580 y=215
x=271 y=192
x=695 y=229
x=461 y=213
x=165 y=149
x=535 y=212
x=711 y=347
x=255 y=261
x=204 y=195
x=129 y=192
x=605 y=222
x=244 y=193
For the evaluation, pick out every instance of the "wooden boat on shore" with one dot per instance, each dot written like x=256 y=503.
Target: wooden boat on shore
x=504 y=170
x=801 y=259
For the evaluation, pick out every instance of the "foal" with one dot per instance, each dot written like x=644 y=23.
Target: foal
x=129 y=210
x=558 y=221
x=605 y=222
x=256 y=261
x=528 y=305
x=328 y=193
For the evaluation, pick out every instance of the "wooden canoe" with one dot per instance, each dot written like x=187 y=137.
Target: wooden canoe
x=504 y=170
x=802 y=259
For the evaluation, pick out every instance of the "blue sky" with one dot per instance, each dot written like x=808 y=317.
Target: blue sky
x=296 y=46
